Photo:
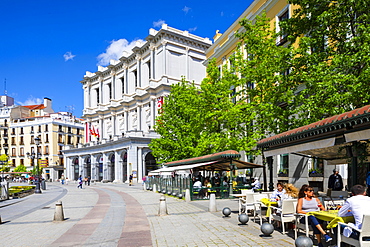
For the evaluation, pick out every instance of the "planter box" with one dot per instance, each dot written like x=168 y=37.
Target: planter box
x=282 y=175
x=315 y=174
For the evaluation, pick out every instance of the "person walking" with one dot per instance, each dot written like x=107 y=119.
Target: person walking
x=80 y=181
x=335 y=181
x=130 y=179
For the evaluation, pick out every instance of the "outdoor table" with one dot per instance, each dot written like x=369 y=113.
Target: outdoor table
x=332 y=217
x=268 y=203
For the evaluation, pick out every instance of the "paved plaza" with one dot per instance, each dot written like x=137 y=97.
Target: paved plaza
x=121 y=215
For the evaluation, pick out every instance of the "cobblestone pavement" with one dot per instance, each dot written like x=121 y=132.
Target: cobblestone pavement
x=121 y=215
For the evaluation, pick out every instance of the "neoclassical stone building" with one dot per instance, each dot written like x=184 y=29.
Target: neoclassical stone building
x=122 y=100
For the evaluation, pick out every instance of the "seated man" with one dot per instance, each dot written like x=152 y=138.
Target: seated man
x=357 y=205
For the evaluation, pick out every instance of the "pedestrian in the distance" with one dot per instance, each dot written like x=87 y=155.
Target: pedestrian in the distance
x=130 y=179
x=80 y=180
x=335 y=181
x=88 y=180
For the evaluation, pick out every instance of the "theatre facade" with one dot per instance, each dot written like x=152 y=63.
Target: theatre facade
x=122 y=100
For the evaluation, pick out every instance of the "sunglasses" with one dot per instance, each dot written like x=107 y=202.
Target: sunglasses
x=310 y=190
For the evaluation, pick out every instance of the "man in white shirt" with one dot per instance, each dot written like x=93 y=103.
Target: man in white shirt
x=256 y=184
x=357 y=205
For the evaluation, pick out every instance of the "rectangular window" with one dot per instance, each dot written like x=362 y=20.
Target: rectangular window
x=97 y=95
x=21 y=142
x=282 y=38
x=21 y=152
x=46 y=127
x=284 y=164
x=14 y=152
x=60 y=138
x=13 y=131
x=46 y=150
x=39 y=129
x=123 y=84
x=13 y=140
x=135 y=75
x=46 y=138
x=22 y=131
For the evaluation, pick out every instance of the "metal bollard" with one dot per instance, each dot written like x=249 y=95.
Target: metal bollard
x=212 y=203
x=187 y=195
x=155 y=188
x=162 y=206
x=58 y=214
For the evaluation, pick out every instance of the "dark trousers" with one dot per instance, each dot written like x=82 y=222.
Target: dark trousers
x=313 y=221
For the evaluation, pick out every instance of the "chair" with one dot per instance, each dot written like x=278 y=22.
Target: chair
x=364 y=238
x=332 y=204
x=257 y=210
x=286 y=213
x=246 y=204
x=298 y=225
x=246 y=191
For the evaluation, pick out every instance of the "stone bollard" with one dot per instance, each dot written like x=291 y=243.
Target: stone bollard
x=154 y=188
x=162 y=206
x=187 y=195
x=58 y=214
x=212 y=203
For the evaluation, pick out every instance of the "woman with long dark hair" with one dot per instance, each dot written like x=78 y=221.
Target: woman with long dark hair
x=308 y=203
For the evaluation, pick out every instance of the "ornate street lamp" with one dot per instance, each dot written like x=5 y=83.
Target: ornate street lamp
x=36 y=156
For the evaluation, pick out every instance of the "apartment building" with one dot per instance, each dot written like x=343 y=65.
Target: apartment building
x=122 y=100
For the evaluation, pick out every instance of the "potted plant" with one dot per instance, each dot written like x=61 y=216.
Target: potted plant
x=283 y=173
x=315 y=172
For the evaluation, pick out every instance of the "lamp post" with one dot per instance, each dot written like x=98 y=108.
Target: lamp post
x=36 y=156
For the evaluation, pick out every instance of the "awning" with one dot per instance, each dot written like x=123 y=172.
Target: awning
x=301 y=147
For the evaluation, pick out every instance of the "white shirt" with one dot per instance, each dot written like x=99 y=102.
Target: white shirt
x=359 y=205
x=197 y=184
x=277 y=193
x=256 y=184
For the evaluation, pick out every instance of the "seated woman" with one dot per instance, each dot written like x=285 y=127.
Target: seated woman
x=276 y=194
x=291 y=192
x=308 y=203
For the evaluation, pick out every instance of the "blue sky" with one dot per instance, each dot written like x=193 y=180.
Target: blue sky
x=46 y=46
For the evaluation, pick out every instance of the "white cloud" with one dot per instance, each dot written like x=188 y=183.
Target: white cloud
x=115 y=50
x=68 y=56
x=193 y=29
x=186 y=9
x=31 y=101
x=158 y=23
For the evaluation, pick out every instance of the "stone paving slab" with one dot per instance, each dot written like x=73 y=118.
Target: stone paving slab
x=121 y=215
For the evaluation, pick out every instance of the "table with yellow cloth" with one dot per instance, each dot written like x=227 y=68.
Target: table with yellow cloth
x=268 y=203
x=332 y=217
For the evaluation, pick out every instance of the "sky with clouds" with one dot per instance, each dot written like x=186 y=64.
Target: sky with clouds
x=47 y=46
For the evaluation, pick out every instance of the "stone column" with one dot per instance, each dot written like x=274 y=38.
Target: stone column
x=153 y=113
x=138 y=66
x=139 y=117
x=126 y=120
x=140 y=171
x=152 y=61
x=164 y=66
x=105 y=166
x=117 y=167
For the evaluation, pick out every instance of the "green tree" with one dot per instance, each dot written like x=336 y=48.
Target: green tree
x=4 y=163
x=262 y=67
x=332 y=59
x=177 y=124
x=21 y=168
